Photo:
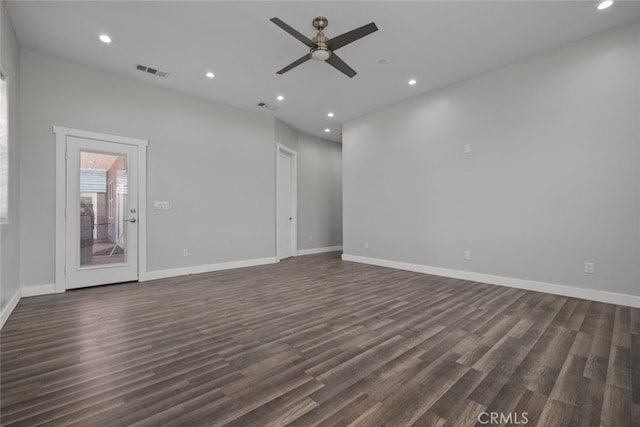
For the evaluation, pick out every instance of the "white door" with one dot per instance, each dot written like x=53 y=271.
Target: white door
x=287 y=205
x=101 y=212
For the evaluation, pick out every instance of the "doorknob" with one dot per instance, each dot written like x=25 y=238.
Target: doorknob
x=290 y=218
x=132 y=220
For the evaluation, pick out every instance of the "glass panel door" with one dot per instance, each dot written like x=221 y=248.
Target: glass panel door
x=101 y=213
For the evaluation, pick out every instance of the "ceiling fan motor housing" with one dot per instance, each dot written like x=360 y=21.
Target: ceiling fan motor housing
x=320 y=23
x=321 y=52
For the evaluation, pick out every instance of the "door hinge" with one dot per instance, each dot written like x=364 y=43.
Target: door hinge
x=66 y=155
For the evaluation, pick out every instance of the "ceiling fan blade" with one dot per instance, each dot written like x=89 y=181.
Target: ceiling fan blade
x=335 y=61
x=293 y=32
x=295 y=63
x=351 y=36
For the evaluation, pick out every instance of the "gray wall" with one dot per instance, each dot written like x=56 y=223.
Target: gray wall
x=285 y=135
x=553 y=179
x=215 y=164
x=319 y=193
x=10 y=253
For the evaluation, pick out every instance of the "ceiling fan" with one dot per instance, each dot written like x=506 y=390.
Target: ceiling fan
x=323 y=48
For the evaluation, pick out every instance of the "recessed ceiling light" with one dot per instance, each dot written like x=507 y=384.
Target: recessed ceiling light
x=412 y=82
x=280 y=98
x=330 y=115
x=210 y=75
x=327 y=130
x=105 y=38
x=605 y=4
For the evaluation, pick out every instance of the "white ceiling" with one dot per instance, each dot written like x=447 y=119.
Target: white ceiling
x=99 y=161
x=436 y=42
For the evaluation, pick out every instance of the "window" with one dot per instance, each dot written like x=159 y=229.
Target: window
x=4 y=151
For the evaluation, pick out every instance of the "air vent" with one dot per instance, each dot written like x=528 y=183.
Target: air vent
x=267 y=106
x=153 y=71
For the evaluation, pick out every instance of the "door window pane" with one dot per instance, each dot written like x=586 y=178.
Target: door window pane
x=103 y=198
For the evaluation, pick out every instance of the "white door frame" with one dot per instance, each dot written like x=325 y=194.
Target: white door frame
x=61 y=197
x=281 y=149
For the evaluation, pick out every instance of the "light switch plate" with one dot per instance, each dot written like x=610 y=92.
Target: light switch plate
x=160 y=205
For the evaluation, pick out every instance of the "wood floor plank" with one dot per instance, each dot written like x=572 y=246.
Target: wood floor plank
x=532 y=404
x=555 y=414
x=314 y=340
x=466 y=415
x=456 y=397
x=419 y=392
x=567 y=385
x=635 y=369
x=616 y=407
x=284 y=409
x=334 y=403
x=589 y=401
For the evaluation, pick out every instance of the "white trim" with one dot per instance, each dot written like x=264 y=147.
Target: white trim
x=61 y=203
x=294 y=198
x=319 y=250
x=197 y=269
x=61 y=195
x=11 y=305
x=34 y=291
x=550 y=288
x=100 y=136
x=142 y=212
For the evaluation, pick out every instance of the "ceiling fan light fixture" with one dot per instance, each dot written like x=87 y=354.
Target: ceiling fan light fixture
x=320 y=54
x=605 y=4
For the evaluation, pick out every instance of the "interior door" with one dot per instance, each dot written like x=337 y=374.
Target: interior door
x=101 y=212
x=285 y=205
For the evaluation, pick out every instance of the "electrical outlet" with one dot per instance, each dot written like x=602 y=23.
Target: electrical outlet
x=366 y=245
x=588 y=267
x=467 y=149
x=467 y=255
x=185 y=252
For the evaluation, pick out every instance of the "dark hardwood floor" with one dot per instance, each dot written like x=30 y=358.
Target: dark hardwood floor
x=315 y=340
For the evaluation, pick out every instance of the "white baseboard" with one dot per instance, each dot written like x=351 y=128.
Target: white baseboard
x=6 y=312
x=530 y=285
x=319 y=250
x=30 y=291
x=197 y=269
x=34 y=291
